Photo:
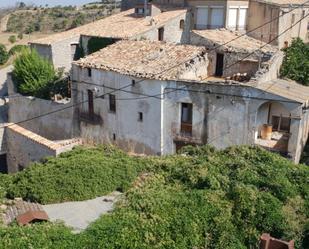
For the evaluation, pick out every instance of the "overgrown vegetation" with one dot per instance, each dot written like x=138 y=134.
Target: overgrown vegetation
x=201 y=199
x=35 y=76
x=55 y=19
x=296 y=62
x=97 y=43
x=4 y=56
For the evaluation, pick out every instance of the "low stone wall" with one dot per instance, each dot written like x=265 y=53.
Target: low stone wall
x=24 y=147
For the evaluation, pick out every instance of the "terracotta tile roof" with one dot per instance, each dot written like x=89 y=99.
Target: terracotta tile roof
x=122 y=25
x=286 y=88
x=241 y=44
x=144 y=59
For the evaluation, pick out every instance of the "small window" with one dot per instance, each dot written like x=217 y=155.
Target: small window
x=140 y=117
x=114 y=136
x=161 y=34
x=182 y=24
x=133 y=82
x=89 y=71
x=90 y=104
x=293 y=18
x=186 y=118
x=112 y=103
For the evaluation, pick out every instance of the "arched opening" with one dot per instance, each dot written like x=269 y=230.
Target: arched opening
x=273 y=122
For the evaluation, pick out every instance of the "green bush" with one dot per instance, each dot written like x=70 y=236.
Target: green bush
x=12 y=39
x=203 y=198
x=296 y=62
x=78 y=175
x=4 y=56
x=17 y=49
x=34 y=75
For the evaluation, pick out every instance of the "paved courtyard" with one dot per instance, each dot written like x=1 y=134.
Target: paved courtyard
x=79 y=215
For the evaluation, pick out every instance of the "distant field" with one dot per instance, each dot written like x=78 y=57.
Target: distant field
x=4 y=38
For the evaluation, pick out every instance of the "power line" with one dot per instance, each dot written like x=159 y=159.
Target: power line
x=120 y=89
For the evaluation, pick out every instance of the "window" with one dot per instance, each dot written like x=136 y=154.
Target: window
x=133 y=82
x=90 y=104
x=114 y=136
x=182 y=24
x=186 y=119
x=112 y=103
x=280 y=123
x=217 y=17
x=161 y=34
x=201 y=17
x=140 y=117
x=89 y=72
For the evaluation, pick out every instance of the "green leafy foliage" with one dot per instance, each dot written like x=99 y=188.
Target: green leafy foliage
x=202 y=198
x=97 y=43
x=4 y=56
x=17 y=49
x=78 y=175
x=34 y=75
x=296 y=62
x=12 y=39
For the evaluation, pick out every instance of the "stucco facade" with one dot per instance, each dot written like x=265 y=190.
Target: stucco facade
x=279 y=18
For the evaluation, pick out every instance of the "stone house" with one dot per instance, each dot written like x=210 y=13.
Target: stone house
x=158 y=113
x=171 y=25
x=262 y=11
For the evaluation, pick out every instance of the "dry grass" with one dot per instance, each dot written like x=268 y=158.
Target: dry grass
x=4 y=39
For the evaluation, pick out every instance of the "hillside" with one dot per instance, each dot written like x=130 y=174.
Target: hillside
x=56 y=19
x=202 y=198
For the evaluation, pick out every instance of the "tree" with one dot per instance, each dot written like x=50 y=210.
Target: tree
x=33 y=75
x=4 y=56
x=20 y=36
x=296 y=62
x=12 y=39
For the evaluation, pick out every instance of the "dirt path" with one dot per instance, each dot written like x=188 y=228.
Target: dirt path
x=4 y=23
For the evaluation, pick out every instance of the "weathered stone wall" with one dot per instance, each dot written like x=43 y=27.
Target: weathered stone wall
x=261 y=13
x=172 y=31
x=43 y=50
x=25 y=147
x=223 y=116
x=54 y=120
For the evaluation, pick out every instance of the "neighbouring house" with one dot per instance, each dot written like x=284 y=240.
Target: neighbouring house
x=172 y=25
x=158 y=113
x=263 y=11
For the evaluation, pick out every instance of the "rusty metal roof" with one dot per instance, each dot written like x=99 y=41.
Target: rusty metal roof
x=32 y=216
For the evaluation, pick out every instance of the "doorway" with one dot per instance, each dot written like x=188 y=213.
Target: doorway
x=3 y=164
x=161 y=34
x=219 y=65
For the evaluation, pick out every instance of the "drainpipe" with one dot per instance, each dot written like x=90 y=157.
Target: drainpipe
x=145 y=7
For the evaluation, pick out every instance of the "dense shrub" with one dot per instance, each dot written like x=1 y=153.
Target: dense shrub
x=203 y=198
x=17 y=49
x=296 y=62
x=12 y=39
x=34 y=75
x=4 y=56
x=78 y=175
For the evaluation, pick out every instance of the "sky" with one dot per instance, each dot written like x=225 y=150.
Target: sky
x=7 y=3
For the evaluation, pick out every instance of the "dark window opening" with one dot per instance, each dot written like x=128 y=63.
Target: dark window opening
x=89 y=71
x=182 y=24
x=186 y=119
x=219 y=65
x=114 y=136
x=161 y=34
x=140 y=116
x=133 y=82
x=3 y=164
x=112 y=103
x=280 y=123
x=90 y=104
